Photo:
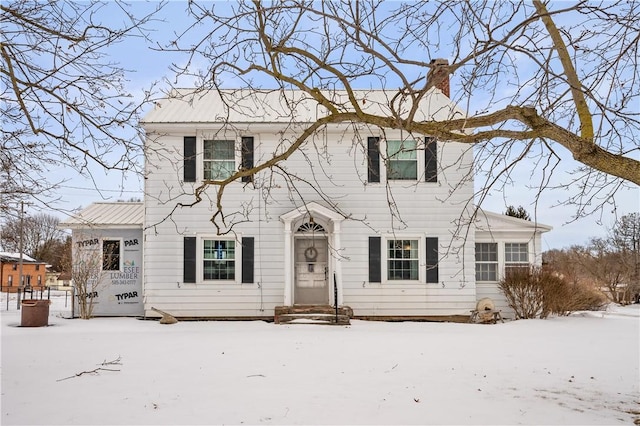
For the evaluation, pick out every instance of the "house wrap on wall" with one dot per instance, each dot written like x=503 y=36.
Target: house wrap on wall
x=110 y=236
x=374 y=219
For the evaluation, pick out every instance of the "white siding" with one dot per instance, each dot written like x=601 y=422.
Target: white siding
x=501 y=229
x=337 y=169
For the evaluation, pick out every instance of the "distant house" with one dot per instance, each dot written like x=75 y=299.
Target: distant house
x=64 y=280
x=383 y=226
x=52 y=278
x=621 y=293
x=33 y=272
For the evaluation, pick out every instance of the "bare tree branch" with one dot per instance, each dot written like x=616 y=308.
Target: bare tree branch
x=532 y=79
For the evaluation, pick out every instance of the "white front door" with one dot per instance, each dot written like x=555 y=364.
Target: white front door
x=311 y=271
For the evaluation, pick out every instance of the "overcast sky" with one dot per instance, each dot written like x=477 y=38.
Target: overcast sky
x=150 y=66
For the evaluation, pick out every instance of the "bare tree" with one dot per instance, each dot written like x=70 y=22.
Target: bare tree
x=625 y=237
x=612 y=262
x=56 y=253
x=567 y=263
x=64 y=100
x=609 y=264
x=39 y=233
x=602 y=262
x=536 y=81
x=86 y=275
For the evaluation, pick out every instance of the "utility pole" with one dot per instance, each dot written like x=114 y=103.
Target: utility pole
x=20 y=277
x=636 y=251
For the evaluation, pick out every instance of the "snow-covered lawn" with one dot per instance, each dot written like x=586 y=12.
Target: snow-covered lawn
x=582 y=369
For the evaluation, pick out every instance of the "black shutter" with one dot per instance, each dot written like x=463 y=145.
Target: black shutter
x=430 y=160
x=375 y=265
x=189 y=260
x=247 y=259
x=189 y=159
x=373 y=159
x=247 y=157
x=432 y=259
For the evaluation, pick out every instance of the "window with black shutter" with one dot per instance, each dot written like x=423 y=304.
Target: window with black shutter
x=375 y=260
x=432 y=259
x=373 y=159
x=247 y=157
x=430 y=160
x=189 y=260
x=247 y=259
x=189 y=159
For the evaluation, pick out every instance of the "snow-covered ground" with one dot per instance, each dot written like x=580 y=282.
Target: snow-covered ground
x=582 y=369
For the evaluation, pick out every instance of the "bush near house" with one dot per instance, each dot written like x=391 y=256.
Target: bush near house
x=537 y=292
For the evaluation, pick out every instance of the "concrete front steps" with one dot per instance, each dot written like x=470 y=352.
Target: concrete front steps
x=312 y=314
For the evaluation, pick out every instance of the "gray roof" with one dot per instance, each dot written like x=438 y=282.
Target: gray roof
x=112 y=215
x=286 y=106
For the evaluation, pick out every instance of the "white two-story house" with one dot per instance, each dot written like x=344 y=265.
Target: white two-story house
x=374 y=219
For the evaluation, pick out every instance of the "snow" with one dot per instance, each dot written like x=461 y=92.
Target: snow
x=16 y=256
x=582 y=369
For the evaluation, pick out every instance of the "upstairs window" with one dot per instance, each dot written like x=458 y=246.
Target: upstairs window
x=486 y=262
x=219 y=159
x=402 y=160
x=402 y=260
x=219 y=259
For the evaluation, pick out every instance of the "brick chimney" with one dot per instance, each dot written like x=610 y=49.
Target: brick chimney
x=438 y=75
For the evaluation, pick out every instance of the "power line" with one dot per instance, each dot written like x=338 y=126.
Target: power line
x=100 y=190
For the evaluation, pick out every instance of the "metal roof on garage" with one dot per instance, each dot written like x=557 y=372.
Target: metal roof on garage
x=107 y=215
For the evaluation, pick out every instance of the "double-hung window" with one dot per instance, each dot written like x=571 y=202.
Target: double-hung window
x=219 y=259
x=402 y=260
x=516 y=256
x=219 y=159
x=111 y=255
x=486 y=262
x=402 y=163
x=211 y=260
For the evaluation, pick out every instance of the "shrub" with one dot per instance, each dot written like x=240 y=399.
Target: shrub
x=537 y=292
x=570 y=297
x=524 y=292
